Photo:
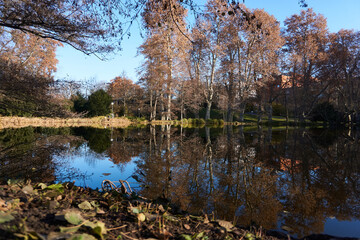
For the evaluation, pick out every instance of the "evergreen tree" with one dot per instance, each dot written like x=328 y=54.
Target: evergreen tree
x=99 y=103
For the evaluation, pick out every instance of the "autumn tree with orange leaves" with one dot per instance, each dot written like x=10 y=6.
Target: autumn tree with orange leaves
x=344 y=67
x=163 y=48
x=307 y=38
x=252 y=42
x=123 y=91
x=27 y=64
x=210 y=35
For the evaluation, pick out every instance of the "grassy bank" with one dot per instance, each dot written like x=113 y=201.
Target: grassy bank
x=98 y=122
x=123 y=122
x=197 y=123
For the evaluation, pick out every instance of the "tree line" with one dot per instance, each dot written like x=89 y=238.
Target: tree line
x=229 y=60
x=234 y=59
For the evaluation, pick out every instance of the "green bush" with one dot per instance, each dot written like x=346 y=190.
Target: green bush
x=184 y=121
x=99 y=103
x=250 y=107
x=326 y=112
x=212 y=122
x=278 y=109
x=80 y=103
x=201 y=121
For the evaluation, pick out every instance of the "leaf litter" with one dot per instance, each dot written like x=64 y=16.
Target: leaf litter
x=65 y=211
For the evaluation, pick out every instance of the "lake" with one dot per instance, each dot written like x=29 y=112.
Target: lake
x=299 y=181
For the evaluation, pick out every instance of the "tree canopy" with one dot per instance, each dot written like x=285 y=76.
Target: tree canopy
x=91 y=26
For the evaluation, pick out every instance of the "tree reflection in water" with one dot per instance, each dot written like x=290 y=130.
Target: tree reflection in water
x=298 y=178
x=27 y=153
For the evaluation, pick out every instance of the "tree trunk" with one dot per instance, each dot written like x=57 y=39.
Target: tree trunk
x=162 y=108
x=124 y=108
x=197 y=115
x=209 y=158
x=230 y=115
x=242 y=111
x=286 y=109
x=260 y=112
x=181 y=110
x=168 y=114
x=151 y=106
x=270 y=113
x=208 y=109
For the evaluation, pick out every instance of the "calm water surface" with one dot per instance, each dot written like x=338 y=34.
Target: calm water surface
x=297 y=181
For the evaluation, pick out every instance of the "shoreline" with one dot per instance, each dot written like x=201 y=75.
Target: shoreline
x=124 y=122
x=97 y=122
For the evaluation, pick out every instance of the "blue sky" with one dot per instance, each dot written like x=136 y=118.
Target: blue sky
x=75 y=65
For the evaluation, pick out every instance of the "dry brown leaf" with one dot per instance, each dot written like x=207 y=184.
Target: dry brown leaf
x=225 y=224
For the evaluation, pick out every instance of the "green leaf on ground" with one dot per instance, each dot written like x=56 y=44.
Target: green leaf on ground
x=186 y=237
x=58 y=187
x=6 y=217
x=250 y=236
x=42 y=185
x=135 y=210
x=85 y=206
x=83 y=236
x=69 y=229
x=57 y=235
x=198 y=235
x=98 y=227
x=74 y=217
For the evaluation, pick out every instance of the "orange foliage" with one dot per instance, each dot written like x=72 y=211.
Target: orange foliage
x=36 y=55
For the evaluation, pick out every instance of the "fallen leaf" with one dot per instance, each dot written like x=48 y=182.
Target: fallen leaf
x=54 y=204
x=186 y=237
x=141 y=217
x=74 y=217
x=42 y=185
x=186 y=226
x=58 y=187
x=72 y=229
x=161 y=208
x=94 y=204
x=97 y=227
x=28 y=189
x=57 y=236
x=6 y=217
x=85 y=206
x=135 y=210
x=100 y=211
x=83 y=236
x=250 y=236
x=198 y=235
x=225 y=224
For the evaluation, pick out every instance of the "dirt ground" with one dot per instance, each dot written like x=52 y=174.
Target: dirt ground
x=65 y=211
